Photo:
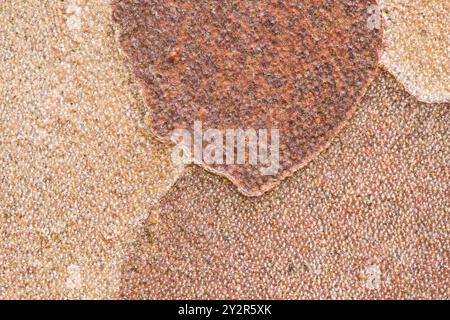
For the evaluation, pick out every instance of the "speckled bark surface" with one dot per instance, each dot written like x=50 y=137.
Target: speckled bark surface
x=417 y=44
x=367 y=219
x=79 y=170
x=298 y=66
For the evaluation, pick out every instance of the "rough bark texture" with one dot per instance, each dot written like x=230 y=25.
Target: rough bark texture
x=297 y=66
x=367 y=220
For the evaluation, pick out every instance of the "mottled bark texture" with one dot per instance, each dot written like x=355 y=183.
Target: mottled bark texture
x=297 y=66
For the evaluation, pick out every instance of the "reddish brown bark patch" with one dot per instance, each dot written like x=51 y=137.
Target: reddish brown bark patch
x=298 y=66
x=369 y=220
